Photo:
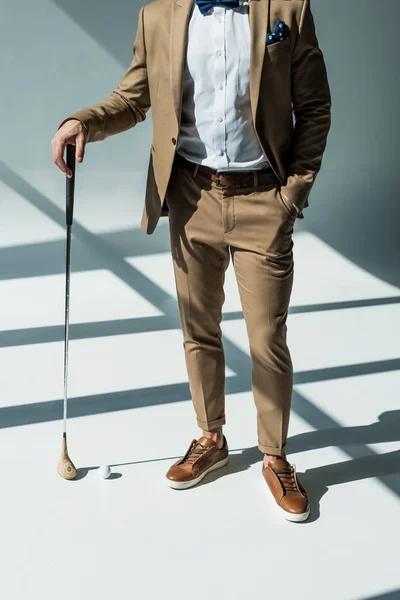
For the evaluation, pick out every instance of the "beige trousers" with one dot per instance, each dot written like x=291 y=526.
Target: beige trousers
x=254 y=226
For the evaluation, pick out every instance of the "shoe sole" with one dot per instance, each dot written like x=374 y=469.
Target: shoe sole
x=183 y=485
x=293 y=517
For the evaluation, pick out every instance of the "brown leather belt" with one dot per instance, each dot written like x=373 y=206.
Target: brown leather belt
x=230 y=178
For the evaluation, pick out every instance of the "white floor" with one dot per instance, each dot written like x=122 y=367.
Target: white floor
x=133 y=536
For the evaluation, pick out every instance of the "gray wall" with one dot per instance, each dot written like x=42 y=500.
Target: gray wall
x=58 y=56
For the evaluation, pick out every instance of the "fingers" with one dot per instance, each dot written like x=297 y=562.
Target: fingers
x=80 y=146
x=72 y=132
x=58 y=155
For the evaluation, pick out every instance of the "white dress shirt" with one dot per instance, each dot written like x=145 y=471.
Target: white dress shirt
x=216 y=126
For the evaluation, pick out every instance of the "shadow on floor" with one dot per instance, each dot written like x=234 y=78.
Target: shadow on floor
x=352 y=440
x=366 y=464
x=108 y=252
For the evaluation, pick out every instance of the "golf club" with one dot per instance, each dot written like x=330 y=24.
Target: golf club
x=65 y=466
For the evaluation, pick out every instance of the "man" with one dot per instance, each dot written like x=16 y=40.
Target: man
x=223 y=79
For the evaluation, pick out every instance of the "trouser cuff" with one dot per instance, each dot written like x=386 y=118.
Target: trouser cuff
x=211 y=425
x=272 y=449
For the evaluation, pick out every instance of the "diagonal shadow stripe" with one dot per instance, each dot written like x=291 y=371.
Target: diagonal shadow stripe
x=55 y=333
x=99 y=28
x=394 y=595
x=319 y=421
x=43 y=412
x=379 y=366
x=362 y=303
x=46 y=258
x=79 y=331
x=110 y=258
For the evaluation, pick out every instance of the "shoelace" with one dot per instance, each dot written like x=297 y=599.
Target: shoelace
x=288 y=479
x=194 y=453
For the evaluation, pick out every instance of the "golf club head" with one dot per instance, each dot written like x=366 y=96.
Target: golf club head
x=66 y=467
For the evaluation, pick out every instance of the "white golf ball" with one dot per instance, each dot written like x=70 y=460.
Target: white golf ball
x=104 y=472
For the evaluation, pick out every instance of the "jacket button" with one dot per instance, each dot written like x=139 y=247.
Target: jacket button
x=174 y=141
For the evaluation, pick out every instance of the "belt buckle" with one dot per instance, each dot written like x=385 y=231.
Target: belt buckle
x=217 y=182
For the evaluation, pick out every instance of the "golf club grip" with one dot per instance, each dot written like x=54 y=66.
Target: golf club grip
x=70 y=184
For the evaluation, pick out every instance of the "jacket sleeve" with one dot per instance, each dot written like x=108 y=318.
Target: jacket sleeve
x=127 y=104
x=311 y=104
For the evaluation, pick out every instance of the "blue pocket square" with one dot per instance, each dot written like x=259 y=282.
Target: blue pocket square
x=280 y=32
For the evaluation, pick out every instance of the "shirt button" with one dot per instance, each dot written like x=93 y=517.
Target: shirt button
x=221 y=152
x=219 y=52
x=221 y=85
x=220 y=119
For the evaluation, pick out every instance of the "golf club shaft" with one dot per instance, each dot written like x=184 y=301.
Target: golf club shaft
x=70 y=188
x=70 y=184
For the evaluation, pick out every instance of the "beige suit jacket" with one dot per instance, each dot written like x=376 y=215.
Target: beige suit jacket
x=287 y=78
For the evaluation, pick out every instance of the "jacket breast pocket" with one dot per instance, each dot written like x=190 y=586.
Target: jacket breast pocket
x=275 y=48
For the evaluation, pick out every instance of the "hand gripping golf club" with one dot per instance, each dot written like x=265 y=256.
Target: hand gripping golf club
x=65 y=466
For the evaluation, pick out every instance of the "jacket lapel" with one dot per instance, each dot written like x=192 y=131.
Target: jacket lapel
x=258 y=21
x=181 y=11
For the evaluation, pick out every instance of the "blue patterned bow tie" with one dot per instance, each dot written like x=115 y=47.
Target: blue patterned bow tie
x=205 y=5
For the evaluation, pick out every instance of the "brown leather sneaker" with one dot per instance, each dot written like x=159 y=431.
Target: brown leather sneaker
x=289 y=494
x=202 y=456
